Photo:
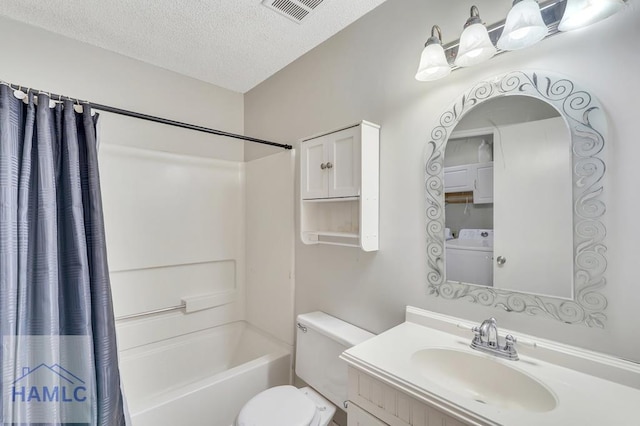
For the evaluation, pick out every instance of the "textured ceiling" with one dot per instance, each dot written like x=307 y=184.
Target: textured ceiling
x=235 y=44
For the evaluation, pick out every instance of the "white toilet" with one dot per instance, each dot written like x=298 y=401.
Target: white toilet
x=321 y=339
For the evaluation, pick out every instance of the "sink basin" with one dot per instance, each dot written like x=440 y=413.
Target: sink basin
x=483 y=379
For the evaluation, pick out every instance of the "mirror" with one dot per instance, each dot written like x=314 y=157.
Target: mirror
x=500 y=160
x=514 y=198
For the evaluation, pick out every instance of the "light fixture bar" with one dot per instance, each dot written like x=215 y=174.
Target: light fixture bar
x=552 y=11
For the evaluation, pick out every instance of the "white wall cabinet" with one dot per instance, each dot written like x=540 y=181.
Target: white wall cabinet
x=339 y=187
x=458 y=178
x=471 y=177
x=331 y=165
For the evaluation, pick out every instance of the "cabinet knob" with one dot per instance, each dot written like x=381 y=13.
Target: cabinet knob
x=329 y=165
x=323 y=166
x=501 y=260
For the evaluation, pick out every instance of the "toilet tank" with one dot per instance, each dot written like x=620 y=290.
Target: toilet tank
x=321 y=339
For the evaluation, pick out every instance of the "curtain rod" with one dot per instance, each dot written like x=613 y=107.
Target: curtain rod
x=147 y=117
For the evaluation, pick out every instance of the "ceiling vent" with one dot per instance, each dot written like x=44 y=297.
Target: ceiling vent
x=296 y=10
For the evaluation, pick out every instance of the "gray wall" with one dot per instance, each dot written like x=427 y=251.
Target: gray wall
x=366 y=72
x=468 y=216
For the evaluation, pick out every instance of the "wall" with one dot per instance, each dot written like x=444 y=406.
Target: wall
x=366 y=72
x=173 y=198
x=43 y=60
x=468 y=215
x=269 y=244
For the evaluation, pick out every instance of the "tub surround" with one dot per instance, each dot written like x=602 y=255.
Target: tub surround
x=588 y=387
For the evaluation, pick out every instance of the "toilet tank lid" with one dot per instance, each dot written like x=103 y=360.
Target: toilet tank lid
x=334 y=328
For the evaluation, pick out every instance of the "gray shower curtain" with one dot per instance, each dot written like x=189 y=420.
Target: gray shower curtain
x=59 y=356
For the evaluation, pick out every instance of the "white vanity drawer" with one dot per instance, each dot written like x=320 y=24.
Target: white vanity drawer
x=356 y=416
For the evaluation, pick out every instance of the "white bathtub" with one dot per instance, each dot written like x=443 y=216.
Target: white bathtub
x=203 y=378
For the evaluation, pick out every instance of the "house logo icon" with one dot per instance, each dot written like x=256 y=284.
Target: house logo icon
x=48 y=384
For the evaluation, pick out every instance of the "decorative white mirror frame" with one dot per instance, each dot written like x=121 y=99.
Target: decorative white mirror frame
x=587 y=124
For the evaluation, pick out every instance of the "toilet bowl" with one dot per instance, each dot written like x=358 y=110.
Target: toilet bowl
x=286 y=406
x=320 y=340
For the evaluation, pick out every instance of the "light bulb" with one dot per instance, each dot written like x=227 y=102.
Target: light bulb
x=524 y=26
x=475 y=44
x=581 y=13
x=433 y=62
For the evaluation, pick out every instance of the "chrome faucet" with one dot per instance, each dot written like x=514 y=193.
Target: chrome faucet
x=486 y=339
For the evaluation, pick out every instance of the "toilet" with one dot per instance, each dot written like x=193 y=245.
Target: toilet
x=321 y=339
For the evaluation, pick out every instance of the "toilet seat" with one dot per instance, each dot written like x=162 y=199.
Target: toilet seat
x=279 y=406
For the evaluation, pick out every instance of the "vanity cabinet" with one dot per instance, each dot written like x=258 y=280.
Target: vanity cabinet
x=374 y=403
x=476 y=178
x=339 y=187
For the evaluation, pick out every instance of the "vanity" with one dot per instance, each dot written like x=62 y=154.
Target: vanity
x=424 y=372
x=548 y=138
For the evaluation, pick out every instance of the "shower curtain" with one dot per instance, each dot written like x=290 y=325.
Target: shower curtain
x=59 y=356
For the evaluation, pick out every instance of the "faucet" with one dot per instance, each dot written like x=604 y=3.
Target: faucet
x=486 y=339
x=489 y=333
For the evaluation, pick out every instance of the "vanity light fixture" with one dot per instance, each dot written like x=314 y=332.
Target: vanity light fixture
x=433 y=63
x=475 y=44
x=524 y=26
x=528 y=22
x=581 y=13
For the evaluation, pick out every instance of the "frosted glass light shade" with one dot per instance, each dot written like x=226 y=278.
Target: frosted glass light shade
x=433 y=63
x=524 y=26
x=475 y=46
x=580 y=13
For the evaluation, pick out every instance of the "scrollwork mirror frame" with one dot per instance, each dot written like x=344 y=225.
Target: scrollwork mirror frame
x=587 y=124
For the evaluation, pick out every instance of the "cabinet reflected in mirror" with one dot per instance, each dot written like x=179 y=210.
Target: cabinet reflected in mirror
x=508 y=198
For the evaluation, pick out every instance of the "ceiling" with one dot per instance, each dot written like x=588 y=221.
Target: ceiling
x=235 y=44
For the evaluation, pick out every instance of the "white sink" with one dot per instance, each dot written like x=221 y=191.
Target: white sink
x=483 y=379
x=427 y=360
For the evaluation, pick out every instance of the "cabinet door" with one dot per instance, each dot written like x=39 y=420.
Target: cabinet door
x=459 y=178
x=356 y=416
x=315 y=176
x=483 y=188
x=344 y=163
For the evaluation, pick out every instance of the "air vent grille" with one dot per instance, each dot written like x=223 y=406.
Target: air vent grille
x=296 y=10
x=311 y=4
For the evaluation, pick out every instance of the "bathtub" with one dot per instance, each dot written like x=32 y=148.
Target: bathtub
x=202 y=378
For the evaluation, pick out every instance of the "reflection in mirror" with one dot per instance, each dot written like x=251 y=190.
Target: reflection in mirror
x=543 y=176
x=508 y=184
